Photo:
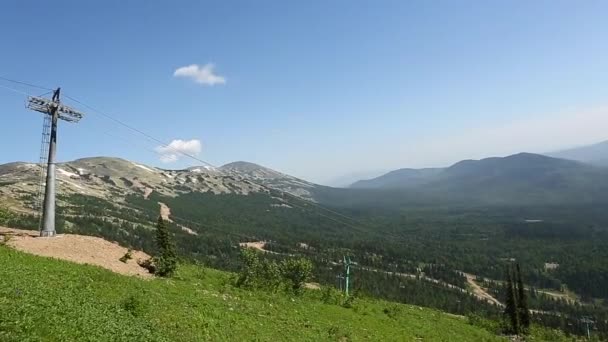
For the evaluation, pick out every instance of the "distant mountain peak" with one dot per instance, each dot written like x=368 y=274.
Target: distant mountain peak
x=252 y=169
x=202 y=169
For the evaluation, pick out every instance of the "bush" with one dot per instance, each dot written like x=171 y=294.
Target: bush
x=257 y=273
x=297 y=272
x=133 y=305
x=128 y=256
x=330 y=295
x=5 y=239
x=393 y=311
x=267 y=274
x=338 y=334
x=349 y=302
x=495 y=327
x=250 y=271
x=148 y=264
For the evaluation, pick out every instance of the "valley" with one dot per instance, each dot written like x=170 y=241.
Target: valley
x=411 y=245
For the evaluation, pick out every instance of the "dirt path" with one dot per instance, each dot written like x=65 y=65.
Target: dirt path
x=565 y=296
x=557 y=295
x=79 y=249
x=480 y=292
x=165 y=213
x=476 y=290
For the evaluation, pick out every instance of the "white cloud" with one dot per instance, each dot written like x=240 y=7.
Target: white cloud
x=177 y=148
x=202 y=75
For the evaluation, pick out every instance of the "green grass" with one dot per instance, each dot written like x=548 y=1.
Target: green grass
x=43 y=299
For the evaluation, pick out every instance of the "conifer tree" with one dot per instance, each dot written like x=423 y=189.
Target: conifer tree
x=511 y=305
x=166 y=260
x=523 y=313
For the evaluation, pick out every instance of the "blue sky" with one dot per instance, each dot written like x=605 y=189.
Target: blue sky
x=317 y=89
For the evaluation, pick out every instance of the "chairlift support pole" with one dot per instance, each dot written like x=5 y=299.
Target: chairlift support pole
x=48 y=215
x=347 y=264
x=587 y=321
x=56 y=111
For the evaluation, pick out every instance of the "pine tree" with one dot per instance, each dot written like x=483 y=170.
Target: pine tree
x=166 y=260
x=522 y=302
x=511 y=305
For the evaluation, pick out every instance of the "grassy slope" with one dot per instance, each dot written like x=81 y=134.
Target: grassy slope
x=43 y=299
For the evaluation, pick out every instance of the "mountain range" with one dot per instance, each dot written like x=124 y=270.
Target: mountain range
x=516 y=179
x=596 y=154
x=114 y=179
x=572 y=174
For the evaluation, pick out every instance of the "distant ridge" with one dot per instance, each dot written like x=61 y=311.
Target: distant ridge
x=596 y=154
x=519 y=178
x=402 y=178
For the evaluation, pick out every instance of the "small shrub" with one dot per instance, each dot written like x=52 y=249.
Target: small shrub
x=393 y=311
x=201 y=272
x=148 y=264
x=495 y=327
x=338 y=334
x=128 y=256
x=133 y=305
x=5 y=239
x=330 y=295
x=349 y=302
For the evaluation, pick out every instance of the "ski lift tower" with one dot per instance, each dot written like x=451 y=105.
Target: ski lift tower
x=53 y=110
x=347 y=264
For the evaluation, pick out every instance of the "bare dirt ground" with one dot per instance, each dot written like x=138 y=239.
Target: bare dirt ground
x=165 y=211
x=147 y=192
x=79 y=249
x=259 y=245
x=312 y=286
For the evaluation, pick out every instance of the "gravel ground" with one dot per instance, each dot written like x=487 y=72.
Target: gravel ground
x=79 y=249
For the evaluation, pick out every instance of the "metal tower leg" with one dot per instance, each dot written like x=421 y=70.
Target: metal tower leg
x=48 y=216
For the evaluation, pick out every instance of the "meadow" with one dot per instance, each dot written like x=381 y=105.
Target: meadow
x=43 y=299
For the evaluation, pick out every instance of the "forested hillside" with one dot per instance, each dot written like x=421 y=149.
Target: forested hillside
x=408 y=247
